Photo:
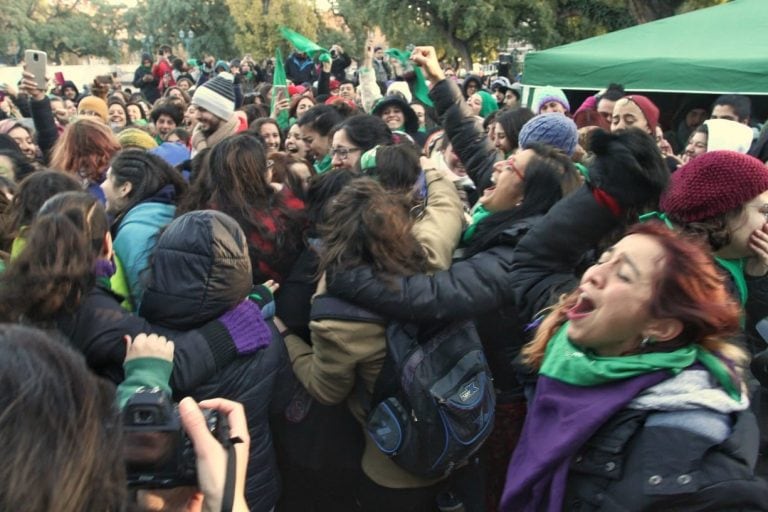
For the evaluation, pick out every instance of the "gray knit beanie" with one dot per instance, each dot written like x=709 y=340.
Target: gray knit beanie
x=217 y=95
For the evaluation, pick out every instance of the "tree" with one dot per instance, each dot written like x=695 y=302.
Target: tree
x=460 y=28
x=209 y=20
x=479 y=28
x=257 y=30
x=59 y=28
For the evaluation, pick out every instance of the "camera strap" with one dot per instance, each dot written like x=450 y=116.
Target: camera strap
x=228 y=498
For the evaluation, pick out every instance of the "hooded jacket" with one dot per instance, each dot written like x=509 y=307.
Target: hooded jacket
x=200 y=268
x=469 y=79
x=148 y=89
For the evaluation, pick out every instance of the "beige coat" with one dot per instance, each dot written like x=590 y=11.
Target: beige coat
x=346 y=357
x=342 y=364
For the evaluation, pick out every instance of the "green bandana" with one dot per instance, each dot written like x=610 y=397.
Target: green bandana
x=478 y=214
x=567 y=363
x=736 y=269
x=324 y=164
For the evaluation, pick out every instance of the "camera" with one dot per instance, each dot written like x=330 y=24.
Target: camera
x=157 y=451
x=333 y=53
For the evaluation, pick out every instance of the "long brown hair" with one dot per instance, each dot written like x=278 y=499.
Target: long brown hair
x=85 y=149
x=688 y=288
x=60 y=428
x=366 y=225
x=56 y=268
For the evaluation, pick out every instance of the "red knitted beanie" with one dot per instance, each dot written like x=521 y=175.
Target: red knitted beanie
x=649 y=109
x=713 y=184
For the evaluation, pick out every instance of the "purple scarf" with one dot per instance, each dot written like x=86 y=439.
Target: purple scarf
x=561 y=418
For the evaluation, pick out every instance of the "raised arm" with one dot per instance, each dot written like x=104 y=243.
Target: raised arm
x=470 y=142
x=42 y=115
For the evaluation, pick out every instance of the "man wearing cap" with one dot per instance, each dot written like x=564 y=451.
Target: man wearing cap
x=216 y=116
x=499 y=88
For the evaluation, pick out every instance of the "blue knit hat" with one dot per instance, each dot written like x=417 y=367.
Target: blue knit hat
x=547 y=94
x=172 y=152
x=554 y=129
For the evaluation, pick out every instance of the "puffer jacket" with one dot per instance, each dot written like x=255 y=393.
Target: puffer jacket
x=472 y=145
x=201 y=267
x=99 y=324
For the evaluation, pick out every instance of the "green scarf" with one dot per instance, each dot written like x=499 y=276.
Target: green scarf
x=324 y=164
x=567 y=363
x=736 y=269
x=478 y=214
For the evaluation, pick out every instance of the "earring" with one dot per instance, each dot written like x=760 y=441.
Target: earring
x=647 y=341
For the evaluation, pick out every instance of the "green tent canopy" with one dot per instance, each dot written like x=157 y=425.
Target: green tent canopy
x=721 y=49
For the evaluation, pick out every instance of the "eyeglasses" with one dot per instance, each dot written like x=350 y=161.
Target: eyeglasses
x=343 y=153
x=509 y=165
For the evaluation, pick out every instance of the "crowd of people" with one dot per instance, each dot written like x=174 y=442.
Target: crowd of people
x=177 y=234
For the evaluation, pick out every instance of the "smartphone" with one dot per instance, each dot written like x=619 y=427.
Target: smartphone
x=58 y=77
x=280 y=93
x=37 y=62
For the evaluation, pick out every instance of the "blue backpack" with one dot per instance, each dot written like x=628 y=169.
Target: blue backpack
x=433 y=402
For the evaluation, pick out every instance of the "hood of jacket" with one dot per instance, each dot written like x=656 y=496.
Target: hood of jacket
x=469 y=79
x=200 y=269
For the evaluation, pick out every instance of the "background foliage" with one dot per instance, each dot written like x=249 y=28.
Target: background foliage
x=471 y=30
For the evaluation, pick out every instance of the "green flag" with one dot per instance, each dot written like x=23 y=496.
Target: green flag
x=305 y=45
x=280 y=90
x=399 y=55
x=419 y=87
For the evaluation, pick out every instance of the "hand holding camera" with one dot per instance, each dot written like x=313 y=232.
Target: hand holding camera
x=211 y=455
x=167 y=447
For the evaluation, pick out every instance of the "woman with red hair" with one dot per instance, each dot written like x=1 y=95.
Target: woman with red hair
x=84 y=150
x=640 y=402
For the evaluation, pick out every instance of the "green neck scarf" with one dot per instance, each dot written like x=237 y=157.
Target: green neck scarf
x=478 y=214
x=323 y=165
x=736 y=269
x=568 y=363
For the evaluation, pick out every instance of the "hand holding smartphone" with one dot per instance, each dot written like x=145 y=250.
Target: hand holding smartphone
x=36 y=63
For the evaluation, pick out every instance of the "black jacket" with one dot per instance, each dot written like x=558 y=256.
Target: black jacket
x=148 y=89
x=98 y=326
x=339 y=66
x=479 y=287
x=546 y=265
x=45 y=126
x=470 y=143
x=629 y=465
x=200 y=268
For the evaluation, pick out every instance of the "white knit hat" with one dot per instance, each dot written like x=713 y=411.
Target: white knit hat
x=729 y=135
x=217 y=95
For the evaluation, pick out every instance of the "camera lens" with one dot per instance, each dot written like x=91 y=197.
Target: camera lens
x=143 y=417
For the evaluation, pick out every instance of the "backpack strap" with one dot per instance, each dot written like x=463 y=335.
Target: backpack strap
x=328 y=307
